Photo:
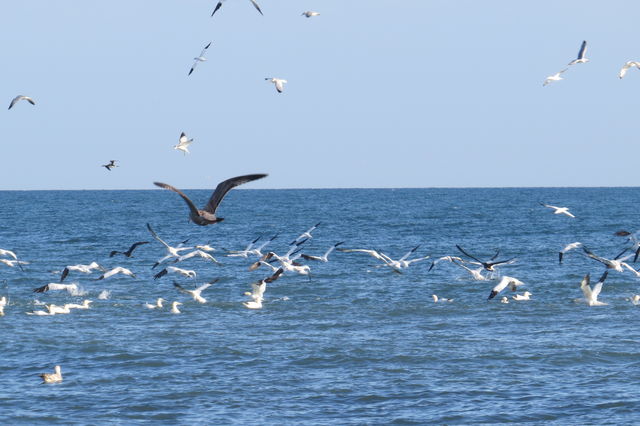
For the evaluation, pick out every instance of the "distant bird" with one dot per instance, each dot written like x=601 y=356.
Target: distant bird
x=129 y=252
x=207 y=216
x=198 y=253
x=158 y=304
x=554 y=77
x=219 y=5
x=243 y=253
x=626 y=66
x=505 y=282
x=306 y=234
x=111 y=165
x=8 y=253
x=591 y=294
x=635 y=299
x=20 y=98
x=197 y=59
x=581 y=59
x=104 y=295
x=567 y=248
x=117 y=270
x=171 y=251
x=85 y=305
x=310 y=13
x=444 y=258
x=616 y=263
x=85 y=269
x=258 y=289
x=325 y=256
x=174 y=307
x=71 y=288
x=504 y=299
x=558 y=210
x=3 y=303
x=55 y=377
x=490 y=265
x=13 y=263
x=174 y=270
x=437 y=299
x=475 y=273
x=278 y=82
x=196 y=293
x=183 y=144
x=525 y=296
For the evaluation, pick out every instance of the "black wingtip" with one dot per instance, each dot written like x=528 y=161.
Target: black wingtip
x=492 y=294
x=560 y=258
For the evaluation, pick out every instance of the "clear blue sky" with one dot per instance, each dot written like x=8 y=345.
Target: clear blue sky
x=380 y=94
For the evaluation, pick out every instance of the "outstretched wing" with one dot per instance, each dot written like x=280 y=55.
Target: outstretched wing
x=221 y=190
x=155 y=236
x=186 y=199
x=218 y=6
x=253 y=2
x=468 y=255
x=583 y=50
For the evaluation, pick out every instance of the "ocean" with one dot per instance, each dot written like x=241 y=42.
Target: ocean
x=353 y=342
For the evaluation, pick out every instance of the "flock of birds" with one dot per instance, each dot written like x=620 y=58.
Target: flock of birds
x=581 y=59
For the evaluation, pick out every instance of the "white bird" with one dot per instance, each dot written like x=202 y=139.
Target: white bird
x=504 y=299
x=325 y=256
x=525 y=296
x=554 y=77
x=20 y=98
x=85 y=305
x=13 y=263
x=475 y=273
x=253 y=304
x=626 y=67
x=198 y=253
x=617 y=263
x=104 y=295
x=171 y=251
x=117 y=270
x=8 y=253
x=174 y=307
x=205 y=247
x=55 y=377
x=173 y=270
x=197 y=59
x=219 y=5
x=567 y=248
x=635 y=299
x=444 y=258
x=183 y=144
x=258 y=289
x=558 y=210
x=591 y=294
x=196 y=293
x=55 y=309
x=581 y=59
x=278 y=82
x=158 y=304
x=310 y=13
x=511 y=282
x=85 y=269
x=437 y=299
x=71 y=288
x=3 y=303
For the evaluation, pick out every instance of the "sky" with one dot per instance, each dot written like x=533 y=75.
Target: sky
x=380 y=94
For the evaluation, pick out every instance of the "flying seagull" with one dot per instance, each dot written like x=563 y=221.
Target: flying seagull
x=581 y=59
x=554 y=77
x=20 y=98
x=310 y=13
x=207 y=215
x=129 y=252
x=110 y=166
x=626 y=67
x=183 y=144
x=278 y=82
x=558 y=210
x=199 y=58
x=219 y=5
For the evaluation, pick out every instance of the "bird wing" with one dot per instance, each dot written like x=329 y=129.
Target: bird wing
x=65 y=272
x=253 y=2
x=274 y=277
x=595 y=257
x=41 y=289
x=221 y=190
x=180 y=288
x=468 y=255
x=203 y=287
x=499 y=287
x=204 y=50
x=134 y=245
x=583 y=50
x=309 y=257
x=409 y=253
x=501 y=261
x=160 y=274
x=279 y=85
x=192 y=207
x=218 y=6
x=155 y=236
x=598 y=287
x=14 y=101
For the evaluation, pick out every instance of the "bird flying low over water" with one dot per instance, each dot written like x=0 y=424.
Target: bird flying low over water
x=616 y=263
x=591 y=294
x=558 y=210
x=85 y=269
x=581 y=59
x=20 y=98
x=198 y=59
x=567 y=248
x=489 y=266
x=183 y=144
x=116 y=270
x=626 y=66
x=505 y=282
x=196 y=293
x=173 y=270
x=219 y=5
x=207 y=215
x=554 y=77
x=71 y=288
x=110 y=166
x=278 y=82
x=129 y=252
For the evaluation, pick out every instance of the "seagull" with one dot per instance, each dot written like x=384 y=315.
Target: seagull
x=174 y=270
x=85 y=269
x=325 y=256
x=219 y=5
x=84 y=305
x=511 y=282
x=110 y=166
x=558 y=210
x=525 y=296
x=174 y=307
x=197 y=59
x=158 y=304
x=207 y=215
x=616 y=263
x=489 y=266
x=20 y=98
x=117 y=270
x=310 y=13
x=195 y=293
x=71 y=288
x=8 y=253
x=55 y=377
x=567 y=248
x=129 y=252
x=626 y=67
x=437 y=299
x=591 y=294
x=581 y=59
x=554 y=77
x=183 y=144
x=278 y=82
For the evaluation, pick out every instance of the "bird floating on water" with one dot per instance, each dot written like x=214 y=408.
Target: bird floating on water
x=437 y=299
x=174 y=307
x=525 y=296
x=207 y=215
x=183 y=144
x=197 y=60
x=55 y=377
x=158 y=304
x=278 y=82
x=20 y=98
x=581 y=59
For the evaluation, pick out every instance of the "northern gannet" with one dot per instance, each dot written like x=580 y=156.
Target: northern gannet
x=197 y=59
x=183 y=144
x=626 y=67
x=117 y=270
x=278 y=82
x=525 y=296
x=85 y=269
x=111 y=165
x=554 y=77
x=325 y=256
x=310 y=13
x=196 y=293
x=219 y=5
x=158 y=304
x=174 y=307
x=173 y=270
x=591 y=295
x=581 y=59
x=567 y=248
x=20 y=98
x=511 y=282
x=558 y=210
x=129 y=252
x=490 y=265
